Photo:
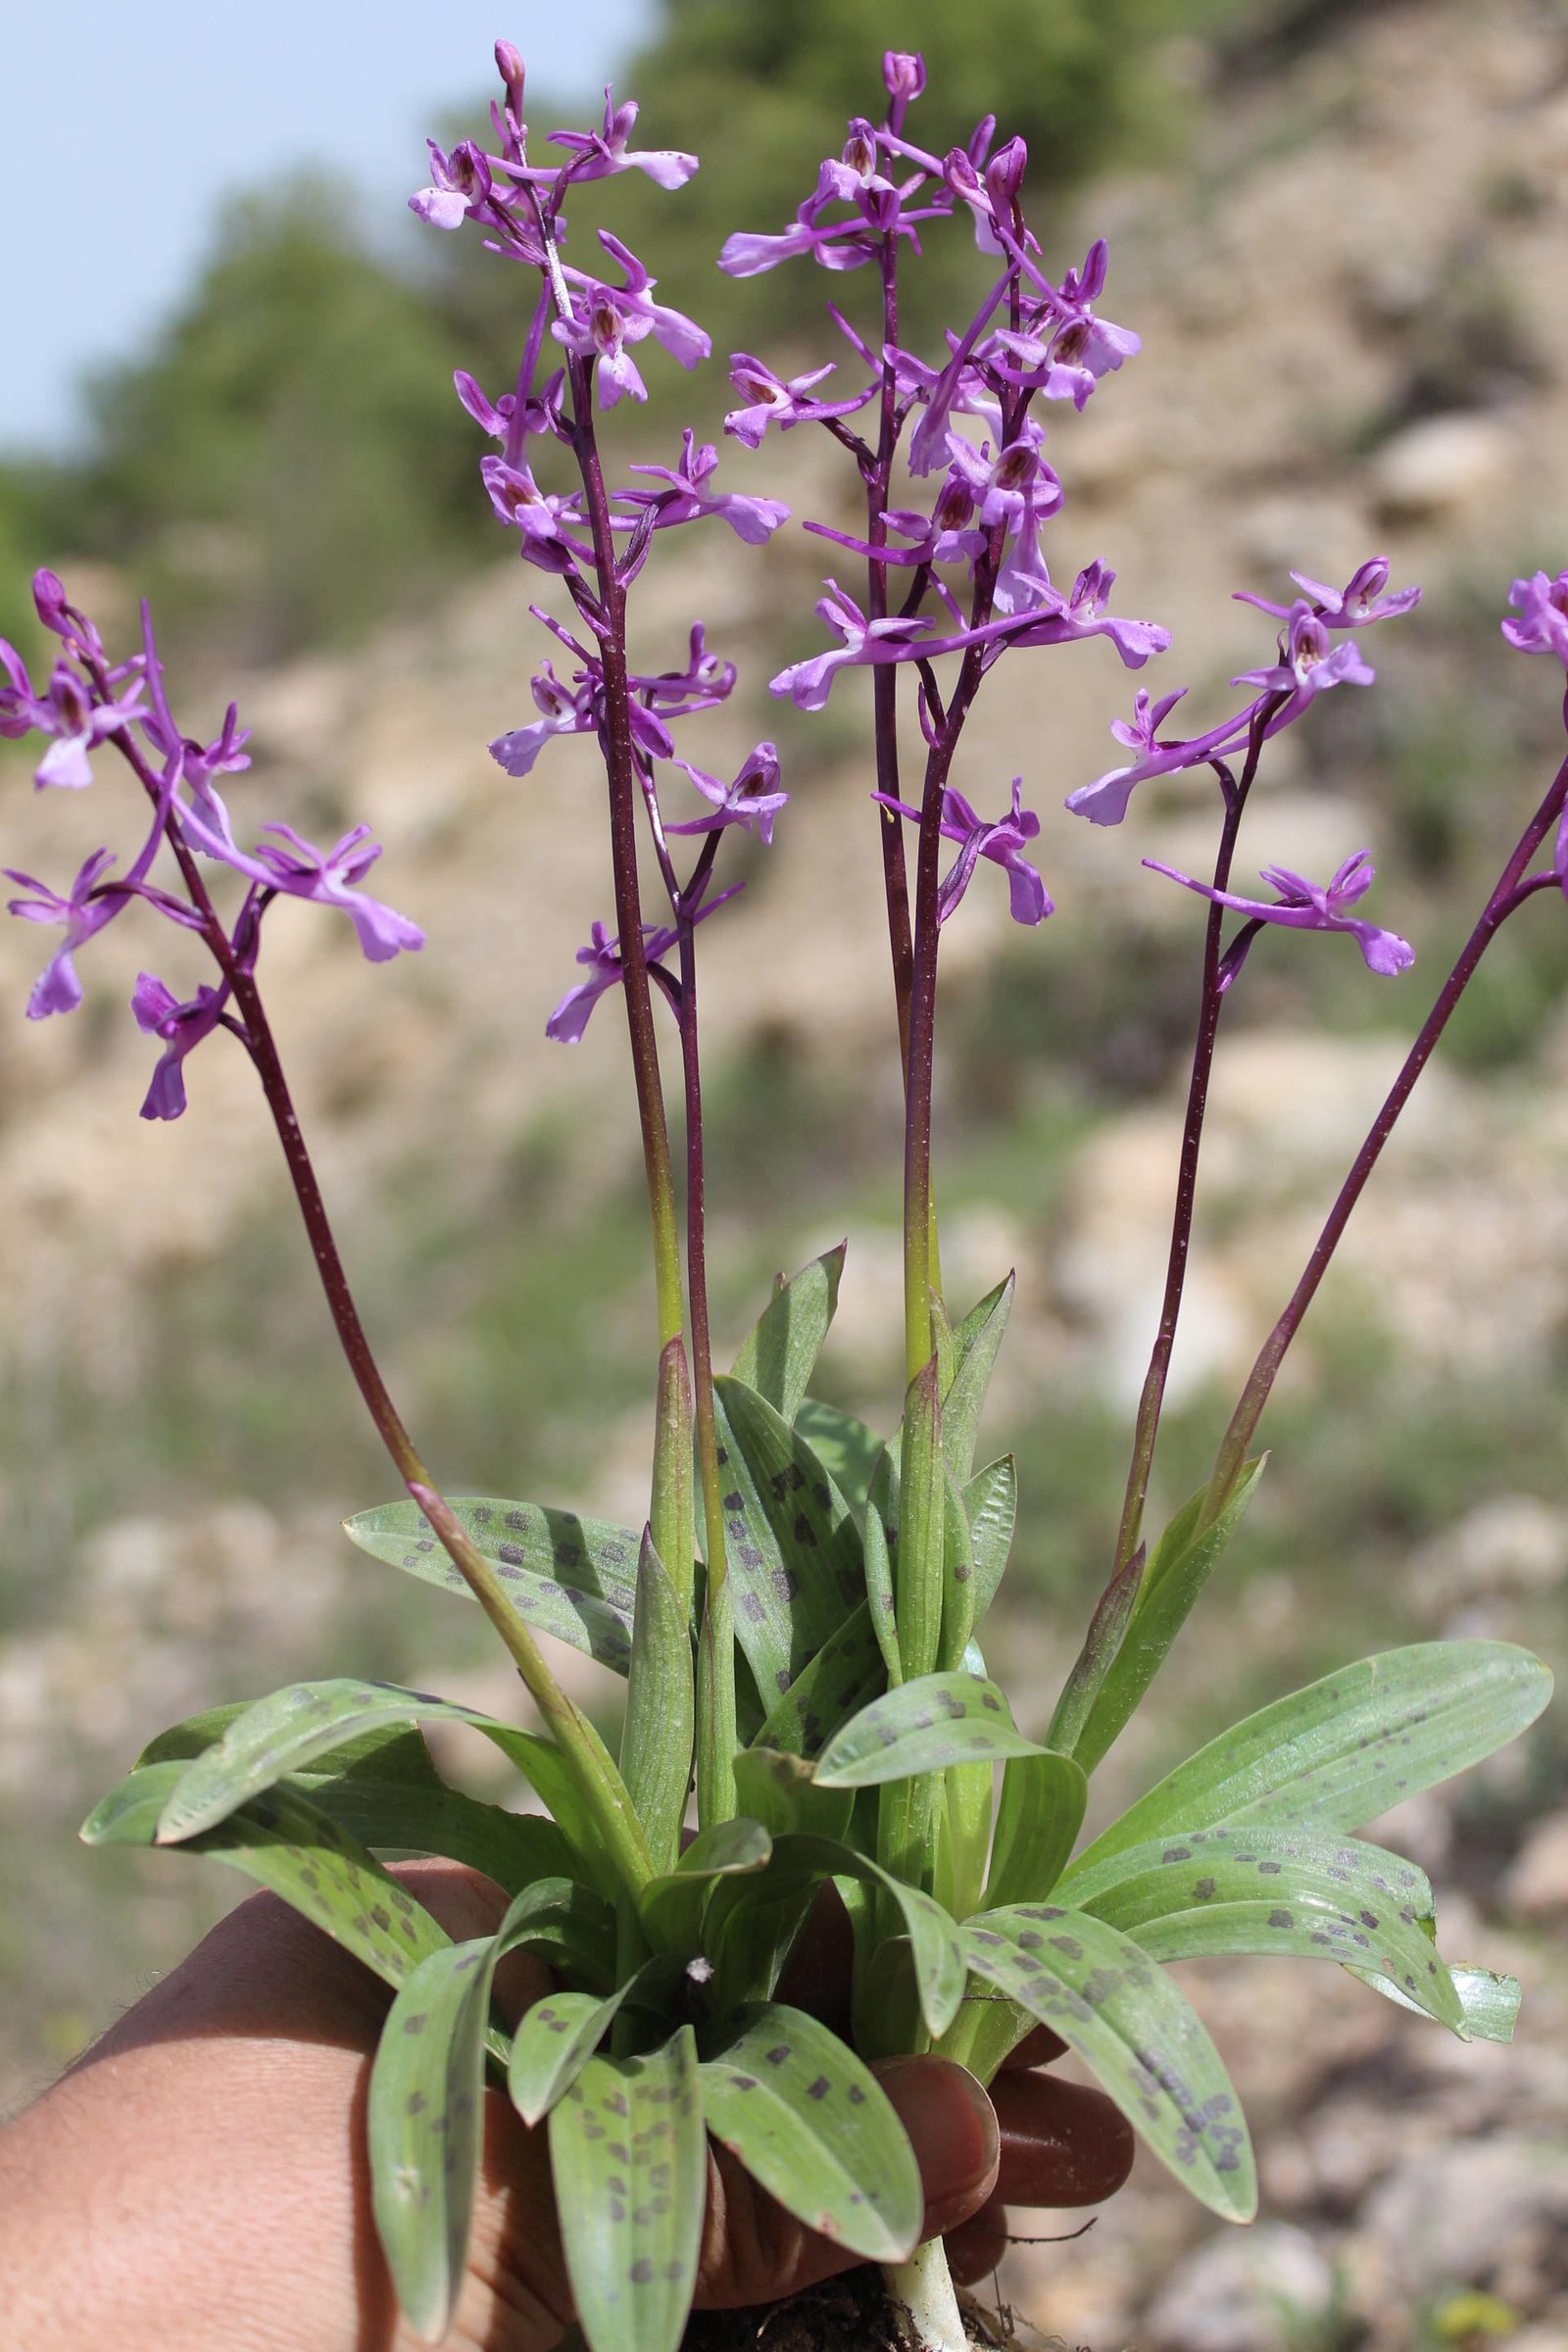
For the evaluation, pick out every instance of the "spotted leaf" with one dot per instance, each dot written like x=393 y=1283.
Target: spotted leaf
x=553 y=2045
x=779 y=1354
x=791 y=1541
x=1132 y=2025
x=629 y=2157
x=1308 y=1928
x=845 y=1673
x=937 y=1720
x=1490 y=2003
x=846 y=1447
x=811 y=2123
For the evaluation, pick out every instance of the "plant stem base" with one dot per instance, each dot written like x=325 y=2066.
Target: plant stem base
x=850 y=2314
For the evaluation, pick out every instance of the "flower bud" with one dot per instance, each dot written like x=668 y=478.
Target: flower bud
x=903 y=74
x=49 y=596
x=510 y=67
x=1004 y=176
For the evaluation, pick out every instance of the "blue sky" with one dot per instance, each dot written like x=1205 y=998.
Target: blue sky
x=124 y=123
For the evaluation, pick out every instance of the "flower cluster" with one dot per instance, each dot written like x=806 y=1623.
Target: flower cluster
x=91 y=700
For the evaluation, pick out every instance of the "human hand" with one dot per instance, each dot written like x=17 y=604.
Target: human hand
x=198 y=2182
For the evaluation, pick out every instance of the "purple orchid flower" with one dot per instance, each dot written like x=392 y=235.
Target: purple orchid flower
x=602 y=956
x=182 y=1027
x=538 y=515
x=607 y=319
x=67 y=712
x=1309 y=663
x=1003 y=843
x=1303 y=905
x=771 y=401
x=460 y=186
x=295 y=869
x=1361 y=600
x=706 y=681
x=564 y=712
x=1083 y=614
x=85 y=911
x=599 y=154
x=807 y=683
x=1542 y=623
x=751 y=519
x=753 y=800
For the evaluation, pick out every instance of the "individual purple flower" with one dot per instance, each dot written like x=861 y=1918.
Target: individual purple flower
x=1309 y=662
x=706 y=681
x=903 y=73
x=1084 y=347
x=807 y=683
x=602 y=956
x=1083 y=614
x=538 y=515
x=85 y=911
x=460 y=185
x=297 y=869
x=225 y=756
x=753 y=800
x=605 y=318
x=67 y=712
x=1104 y=801
x=1542 y=623
x=1003 y=843
x=1303 y=905
x=182 y=1027
x=598 y=154
x=752 y=520
x=1361 y=600
x=771 y=401
x=563 y=713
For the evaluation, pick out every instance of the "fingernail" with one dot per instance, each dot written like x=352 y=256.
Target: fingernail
x=952 y=2127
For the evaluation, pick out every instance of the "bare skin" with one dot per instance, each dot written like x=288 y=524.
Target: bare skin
x=198 y=2183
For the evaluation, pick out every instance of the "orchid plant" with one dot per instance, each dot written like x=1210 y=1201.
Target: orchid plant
x=798 y=1619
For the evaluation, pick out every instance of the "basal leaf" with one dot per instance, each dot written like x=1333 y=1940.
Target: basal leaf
x=1038 y=1821
x=570 y=1926
x=1134 y=2028
x=629 y=2156
x=1309 y=1929
x=655 y=1748
x=572 y=1577
x=845 y=1449
x=779 y=1354
x=1491 y=2003
x=1346 y=1748
x=918 y=1549
x=1203 y=1866
x=425 y=2128
x=991 y=1503
x=1179 y=1567
x=811 y=2123
x=283 y=1841
x=879 y=1596
x=941 y=1719
x=792 y=1544
x=976 y=1343
x=844 y=1674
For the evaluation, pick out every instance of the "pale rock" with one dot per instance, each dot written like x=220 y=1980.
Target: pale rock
x=1264 y=2292
x=1512 y=1543
x=1469 y=2214
x=1434 y=471
x=1536 y=1885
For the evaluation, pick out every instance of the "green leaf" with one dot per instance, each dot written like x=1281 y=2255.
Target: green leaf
x=554 y=2041
x=780 y=1791
x=779 y=1355
x=1134 y=2028
x=1491 y=2003
x=655 y=1748
x=991 y=1504
x=792 y=1544
x=812 y=2123
x=1346 y=1748
x=671 y=1906
x=1038 y=1821
x=425 y=2115
x=939 y=1959
x=957 y=1579
x=283 y=1841
x=917 y=1548
x=845 y=1449
x=571 y=1576
x=674 y=1516
x=1179 y=1567
x=879 y=1596
x=941 y=1719
x=629 y=2157
x=1306 y=1928
x=1108 y=1622
x=845 y=1673
x=1139 y=1882
x=977 y=1340
x=570 y=1926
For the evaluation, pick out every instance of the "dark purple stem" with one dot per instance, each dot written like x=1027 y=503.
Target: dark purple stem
x=1510 y=894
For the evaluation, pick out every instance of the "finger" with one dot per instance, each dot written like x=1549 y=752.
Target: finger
x=1061 y=2144
x=976 y=2247
x=1039 y=2047
x=755 y=2252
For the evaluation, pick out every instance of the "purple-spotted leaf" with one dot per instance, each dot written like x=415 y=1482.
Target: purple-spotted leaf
x=811 y=2123
x=629 y=2156
x=1137 y=2033
x=791 y=1541
x=991 y=1504
x=554 y=2041
x=1038 y=1821
x=425 y=2129
x=976 y=1341
x=571 y=1576
x=1490 y=2003
x=1345 y=1750
x=941 y=1719
x=1203 y=1866
x=779 y=1354
x=844 y=1674
x=284 y=1843
x=846 y=1447
x=1306 y=1928
x=656 y=1746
